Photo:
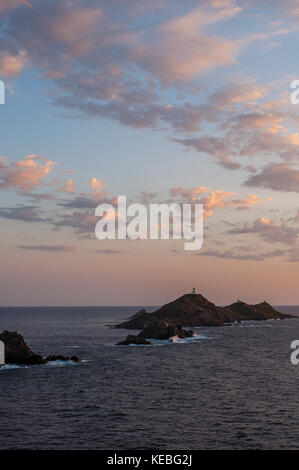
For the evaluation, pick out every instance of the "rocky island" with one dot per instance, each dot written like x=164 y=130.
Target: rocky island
x=17 y=351
x=158 y=329
x=193 y=310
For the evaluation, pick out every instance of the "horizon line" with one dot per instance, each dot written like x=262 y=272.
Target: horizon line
x=113 y=306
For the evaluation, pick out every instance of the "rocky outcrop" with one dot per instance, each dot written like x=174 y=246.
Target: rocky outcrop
x=59 y=357
x=138 y=321
x=196 y=310
x=17 y=351
x=157 y=329
x=164 y=329
x=262 y=311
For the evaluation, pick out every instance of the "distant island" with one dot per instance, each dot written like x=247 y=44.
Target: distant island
x=193 y=310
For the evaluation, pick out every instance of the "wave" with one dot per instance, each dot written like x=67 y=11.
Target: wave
x=193 y=339
x=60 y=363
x=11 y=367
x=246 y=324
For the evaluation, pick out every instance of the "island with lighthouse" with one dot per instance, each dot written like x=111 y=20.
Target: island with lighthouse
x=193 y=310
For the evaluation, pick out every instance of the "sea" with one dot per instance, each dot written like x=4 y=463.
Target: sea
x=231 y=387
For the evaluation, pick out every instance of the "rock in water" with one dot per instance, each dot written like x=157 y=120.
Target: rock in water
x=157 y=329
x=164 y=329
x=17 y=351
x=132 y=339
x=59 y=357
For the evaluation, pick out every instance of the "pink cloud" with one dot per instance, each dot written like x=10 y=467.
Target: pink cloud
x=12 y=64
x=270 y=231
x=24 y=175
x=69 y=186
x=9 y=4
x=276 y=176
x=216 y=199
x=188 y=194
x=181 y=50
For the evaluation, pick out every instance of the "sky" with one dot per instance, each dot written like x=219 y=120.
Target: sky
x=161 y=101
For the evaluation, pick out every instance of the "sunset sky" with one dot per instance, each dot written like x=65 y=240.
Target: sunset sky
x=158 y=100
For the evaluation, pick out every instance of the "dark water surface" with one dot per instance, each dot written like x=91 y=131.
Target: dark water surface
x=236 y=388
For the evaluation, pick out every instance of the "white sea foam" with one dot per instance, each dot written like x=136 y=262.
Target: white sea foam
x=258 y=324
x=11 y=367
x=64 y=363
x=192 y=339
x=7 y=367
x=60 y=363
x=173 y=340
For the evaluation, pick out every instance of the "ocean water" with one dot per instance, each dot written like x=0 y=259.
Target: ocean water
x=230 y=388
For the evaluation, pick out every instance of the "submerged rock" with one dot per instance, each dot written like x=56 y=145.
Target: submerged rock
x=17 y=351
x=132 y=339
x=59 y=357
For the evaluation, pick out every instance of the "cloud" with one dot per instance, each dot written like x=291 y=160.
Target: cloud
x=24 y=175
x=69 y=186
x=181 y=51
x=81 y=221
x=79 y=202
x=147 y=197
x=188 y=194
x=230 y=95
x=219 y=148
x=246 y=131
x=96 y=184
x=51 y=248
x=276 y=176
x=9 y=4
x=41 y=196
x=110 y=251
x=108 y=60
x=23 y=213
x=216 y=199
x=234 y=254
x=287 y=9
x=12 y=65
x=228 y=163
x=115 y=60
x=269 y=231
x=75 y=26
x=87 y=201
